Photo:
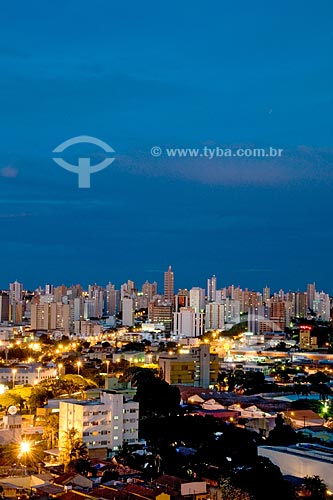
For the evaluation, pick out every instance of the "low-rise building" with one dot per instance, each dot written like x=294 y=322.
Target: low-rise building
x=22 y=374
x=302 y=460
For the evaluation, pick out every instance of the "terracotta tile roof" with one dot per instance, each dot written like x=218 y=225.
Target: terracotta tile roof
x=170 y=481
x=299 y=414
x=107 y=493
x=136 y=490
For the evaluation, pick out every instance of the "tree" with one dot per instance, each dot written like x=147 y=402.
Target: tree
x=38 y=398
x=156 y=396
x=317 y=378
x=229 y=491
x=282 y=434
x=316 y=487
x=263 y=480
x=51 y=427
x=73 y=447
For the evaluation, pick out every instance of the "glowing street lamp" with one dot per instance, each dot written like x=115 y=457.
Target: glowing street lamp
x=25 y=450
x=25 y=447
x=79 y=364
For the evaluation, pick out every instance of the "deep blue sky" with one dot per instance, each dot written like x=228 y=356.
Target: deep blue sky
x=186 y=74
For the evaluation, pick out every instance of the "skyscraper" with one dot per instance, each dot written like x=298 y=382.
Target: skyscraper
x=149 y=290
x=4 y=307
x=211 y=289
x=310 y=295
x=214 y=318
x=266 y=294
x=197 y=299
x=188 y=323
x=128 y=311
x=169 y=285
x=15 y=292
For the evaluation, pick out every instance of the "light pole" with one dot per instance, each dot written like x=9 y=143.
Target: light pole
x=78 y=367
x=14 y=371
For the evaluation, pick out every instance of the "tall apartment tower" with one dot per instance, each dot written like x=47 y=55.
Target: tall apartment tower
x=49 y=289
x=197 y=299
x=310 y=295
x=111 y=300
x=214 y=318
x=266 y=294
x=211 y=289
x=4 y=307
x=128 y=311
x=15 y=292
x=169 y=285
x=149 y=290
x=188 y=323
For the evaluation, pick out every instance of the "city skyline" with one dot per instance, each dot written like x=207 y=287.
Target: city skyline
x=161 y=285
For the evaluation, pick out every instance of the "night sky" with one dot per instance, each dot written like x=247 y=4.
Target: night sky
x=172 y=74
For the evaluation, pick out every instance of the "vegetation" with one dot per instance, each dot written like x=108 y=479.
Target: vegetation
x=73 y=448
x=314 y=488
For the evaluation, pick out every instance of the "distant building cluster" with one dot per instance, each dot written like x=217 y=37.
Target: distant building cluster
x=183 y=313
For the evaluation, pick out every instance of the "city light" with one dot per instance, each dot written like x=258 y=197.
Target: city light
x=25 y=447
x=14 y=371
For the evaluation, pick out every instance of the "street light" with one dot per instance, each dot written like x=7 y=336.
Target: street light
x=14 y=371
x=25 y=449
x=79 y=364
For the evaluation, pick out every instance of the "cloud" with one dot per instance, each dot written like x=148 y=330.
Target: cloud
x=14 y=215
x=299 y=164
x=10 y=172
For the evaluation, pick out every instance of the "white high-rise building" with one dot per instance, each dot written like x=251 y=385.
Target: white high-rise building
x=188 y=323
x=128 y=311
x=78 y=308
x=89 y=308
x=221 y=295
x=214 y=319
x=112 y=297
x=231 y=311
x=197 y=299
x=211 y=289
x=102 y=424
x=321 y=306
